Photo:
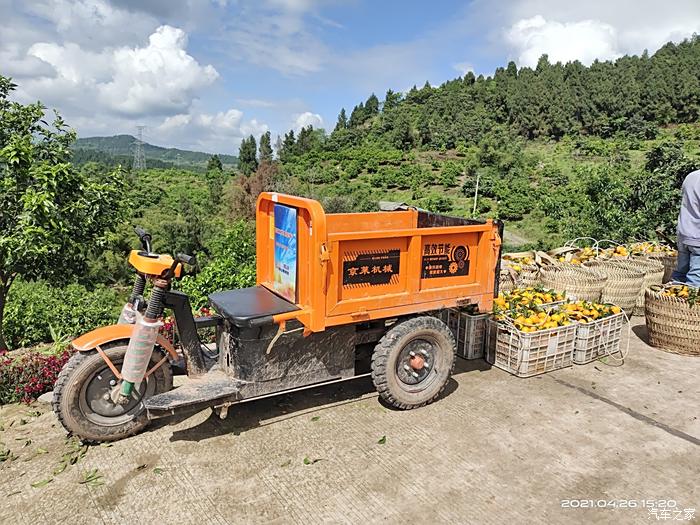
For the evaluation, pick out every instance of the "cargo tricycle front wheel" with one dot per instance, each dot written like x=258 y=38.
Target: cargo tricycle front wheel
x=82 y=400
x=412 y=363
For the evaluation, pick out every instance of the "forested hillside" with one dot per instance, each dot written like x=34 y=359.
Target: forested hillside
x=559 y=151
x=119 y=149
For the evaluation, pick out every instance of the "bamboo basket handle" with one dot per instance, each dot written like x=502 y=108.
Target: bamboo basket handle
x=572 y=243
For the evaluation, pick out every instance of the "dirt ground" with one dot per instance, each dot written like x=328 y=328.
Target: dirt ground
x=493 y=449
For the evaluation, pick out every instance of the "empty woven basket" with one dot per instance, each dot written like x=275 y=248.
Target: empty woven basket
x=583 y=283
x=668 y=262
x=623 y=285
x=653 y=275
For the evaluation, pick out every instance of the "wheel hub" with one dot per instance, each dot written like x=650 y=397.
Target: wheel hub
x=415 y=363
x=99 y=399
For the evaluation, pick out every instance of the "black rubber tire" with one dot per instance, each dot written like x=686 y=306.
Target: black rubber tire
x=388 y=351
x=80 y=368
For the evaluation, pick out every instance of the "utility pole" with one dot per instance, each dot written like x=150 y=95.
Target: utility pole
x=476 y=194
x=139 y=163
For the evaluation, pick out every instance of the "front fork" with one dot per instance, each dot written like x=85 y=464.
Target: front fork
x=128 y=313
x=143 y=339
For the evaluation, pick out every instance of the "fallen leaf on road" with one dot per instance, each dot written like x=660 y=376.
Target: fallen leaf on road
x=42 y=483
x=92 y=478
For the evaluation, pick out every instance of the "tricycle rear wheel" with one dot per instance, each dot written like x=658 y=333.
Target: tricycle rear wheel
x=413 y=361
x=81 y=395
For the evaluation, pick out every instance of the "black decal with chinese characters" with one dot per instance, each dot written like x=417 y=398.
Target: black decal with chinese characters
x=444 y=260
x=372 y=268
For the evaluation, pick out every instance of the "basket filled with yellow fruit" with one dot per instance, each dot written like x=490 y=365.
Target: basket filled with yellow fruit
x=623 y=285
x=663 y=253
x=598 y=329
x=673 y=318
x=573 y=255
x=527 y=297
x=524 y=266
x=529 y=341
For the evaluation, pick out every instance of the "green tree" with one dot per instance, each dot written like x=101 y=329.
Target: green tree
x=265 y=147
x=247 y=156
x=372 y=106
x=358 y=116
x=391 y=100
x=214 y=164
x=342 y=120
x=52 y=216
x=215 y=179
x=402 y=138
x=288 y=148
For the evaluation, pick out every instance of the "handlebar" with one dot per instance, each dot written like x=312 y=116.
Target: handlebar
x=144 y=237
x=186 y=259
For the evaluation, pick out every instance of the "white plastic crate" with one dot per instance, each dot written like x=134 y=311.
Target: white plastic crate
x=598 y=338
x=528 y=354
x=469 y=331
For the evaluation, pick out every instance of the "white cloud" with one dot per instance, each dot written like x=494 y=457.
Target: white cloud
x=585 y=41
x=308 y=119
x=93 y=23
x=275 y=34
x=586 y=30
x=174 y=122
x=214 y=132
x=463 y=68
x=157 y=79
x=161 y=77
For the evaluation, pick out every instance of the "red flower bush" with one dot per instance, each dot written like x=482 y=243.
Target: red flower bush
x=168 y=329
x=27 y=376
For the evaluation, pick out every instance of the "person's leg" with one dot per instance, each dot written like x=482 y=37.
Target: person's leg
x=693 y=275
x=682 y=264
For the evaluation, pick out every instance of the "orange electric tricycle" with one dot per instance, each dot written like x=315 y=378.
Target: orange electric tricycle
x=338 y=296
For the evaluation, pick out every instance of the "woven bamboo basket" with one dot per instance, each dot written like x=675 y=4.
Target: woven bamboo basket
x=653 y=275
x=673 y=324
x=667 y=261
x=583 y=283
x=623 y=285
x=507 y=281
x=528 y=274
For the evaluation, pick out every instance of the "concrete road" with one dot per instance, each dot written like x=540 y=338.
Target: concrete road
x=494 y=449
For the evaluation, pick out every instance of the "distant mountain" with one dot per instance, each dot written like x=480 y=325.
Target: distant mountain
x=121 y=148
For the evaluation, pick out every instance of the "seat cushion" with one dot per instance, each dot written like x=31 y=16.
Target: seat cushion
x=248 y=307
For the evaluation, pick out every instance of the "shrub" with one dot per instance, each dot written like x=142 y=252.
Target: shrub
x=449 y=174
x=27 y=376
x=232 y=265
x=34 y=308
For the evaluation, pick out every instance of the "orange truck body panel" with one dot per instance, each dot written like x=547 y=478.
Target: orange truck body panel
x=116 y=332
x=354 y=267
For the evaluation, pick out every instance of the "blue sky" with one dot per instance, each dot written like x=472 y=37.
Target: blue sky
x=201 y=74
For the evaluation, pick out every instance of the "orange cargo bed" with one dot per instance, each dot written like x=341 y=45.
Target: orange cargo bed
x=351 y=267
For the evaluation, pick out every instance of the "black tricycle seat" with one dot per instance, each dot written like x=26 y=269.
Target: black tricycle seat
x=249 y=307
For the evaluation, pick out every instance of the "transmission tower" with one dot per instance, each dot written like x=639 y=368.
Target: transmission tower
x=139 y=157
